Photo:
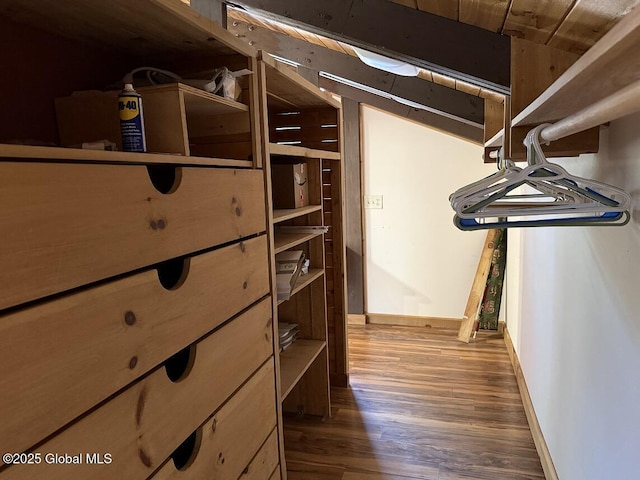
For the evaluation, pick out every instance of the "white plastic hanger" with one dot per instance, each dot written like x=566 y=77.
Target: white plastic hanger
x=482 y=189
x=562 y=199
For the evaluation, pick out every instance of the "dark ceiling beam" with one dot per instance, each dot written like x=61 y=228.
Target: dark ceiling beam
x=213 y=9
x=447 y=101
x=462 y=51
x=458 y=129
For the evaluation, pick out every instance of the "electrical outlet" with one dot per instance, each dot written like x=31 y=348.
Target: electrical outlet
x=373 y=201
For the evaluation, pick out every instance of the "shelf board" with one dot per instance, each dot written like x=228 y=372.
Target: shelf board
x=286 y=88
x=304 y=281
x=611 y=64
x=281 y=215
x=75 y=155
x=200 y=102
x=167 y=26
x=295 y=360
x=285 y=241
x=295 y=151
x=496 y=140
x=308 y=279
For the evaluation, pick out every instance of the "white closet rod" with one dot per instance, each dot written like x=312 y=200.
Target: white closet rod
x=624 y=102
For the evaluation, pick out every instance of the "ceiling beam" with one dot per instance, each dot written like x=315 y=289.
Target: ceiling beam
x=462 y=51
x=213 y=9
x=465 y=131
x=447 y=101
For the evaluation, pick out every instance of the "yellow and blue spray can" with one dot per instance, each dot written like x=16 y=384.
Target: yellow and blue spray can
x=131 y=120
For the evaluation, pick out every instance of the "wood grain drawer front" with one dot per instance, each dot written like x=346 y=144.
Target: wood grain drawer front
x=65 y=225
x=232 y=437
x=60 y=358
x=144 y=424
x=276 y=475
x=267 y=460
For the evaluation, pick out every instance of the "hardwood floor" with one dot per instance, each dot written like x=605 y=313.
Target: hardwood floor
x=421 y=406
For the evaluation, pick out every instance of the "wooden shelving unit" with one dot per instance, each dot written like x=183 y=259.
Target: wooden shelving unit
x=314 y=140
x=120 y=266
x=179 y=120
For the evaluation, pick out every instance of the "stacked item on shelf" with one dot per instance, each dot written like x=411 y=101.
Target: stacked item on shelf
x=287 y=333
x=304 y=229
x=288 y=267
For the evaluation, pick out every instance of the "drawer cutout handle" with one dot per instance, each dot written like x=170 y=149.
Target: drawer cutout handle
x=173 y=273
x=179 y=365
x=184 y=456
x=165 y=178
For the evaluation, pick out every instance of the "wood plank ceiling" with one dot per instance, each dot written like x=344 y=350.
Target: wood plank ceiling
x=570 y=25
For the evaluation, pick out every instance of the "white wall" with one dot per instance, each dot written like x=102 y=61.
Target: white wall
x=573 y=310
x=417 y=261
x=573 y=294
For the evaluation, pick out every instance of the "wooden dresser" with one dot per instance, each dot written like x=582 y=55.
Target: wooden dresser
x=136 y=331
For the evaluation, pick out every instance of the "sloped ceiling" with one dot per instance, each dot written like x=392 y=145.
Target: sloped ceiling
x=571 y=25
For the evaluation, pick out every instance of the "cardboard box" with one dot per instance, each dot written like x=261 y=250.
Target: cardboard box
x=290 y=185
x=289 y=261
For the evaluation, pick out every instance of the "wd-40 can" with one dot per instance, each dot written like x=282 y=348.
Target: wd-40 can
x=131 y=120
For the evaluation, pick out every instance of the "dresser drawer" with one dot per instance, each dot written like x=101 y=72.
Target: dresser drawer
x=276 y=475
x=266 y=460
x=67 y=225
x=142 y=426
x=230 y=439
x=60 y=358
